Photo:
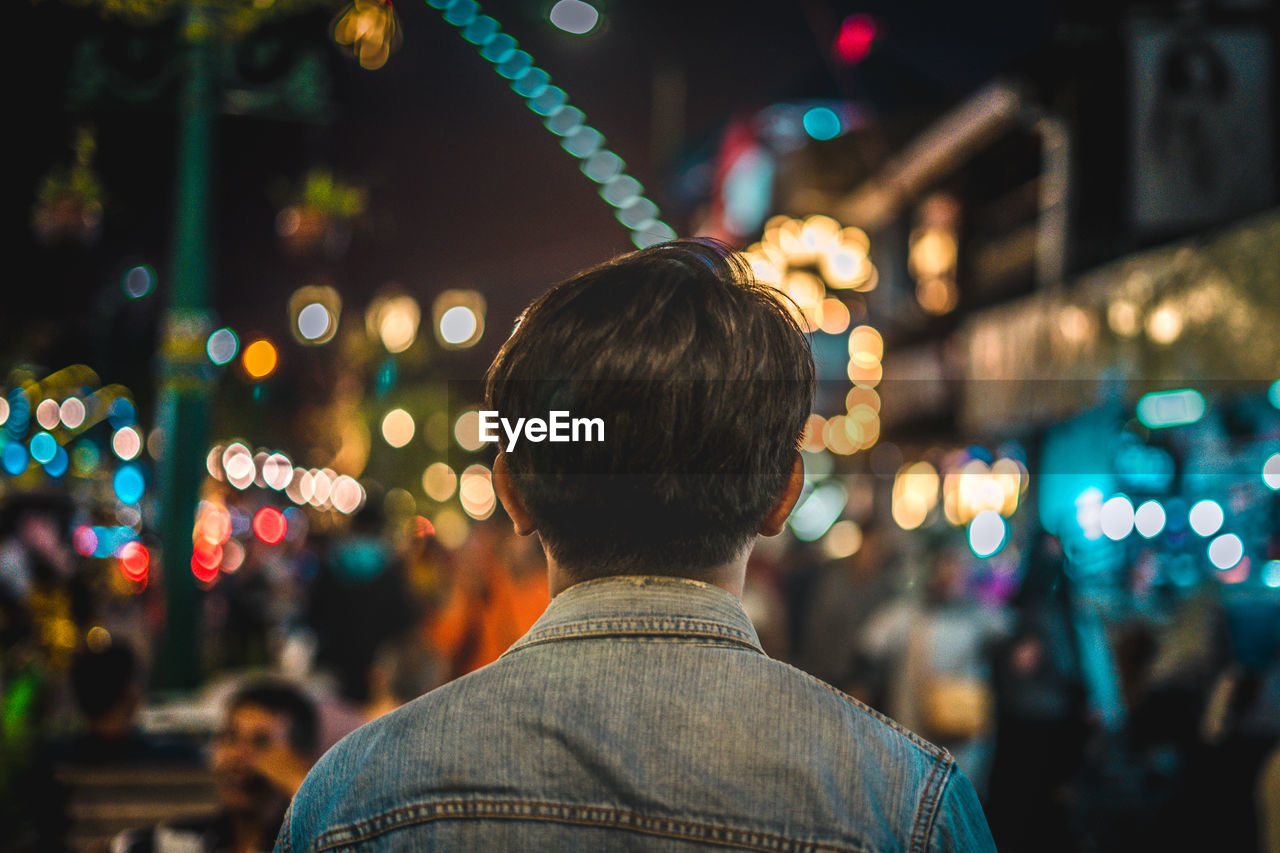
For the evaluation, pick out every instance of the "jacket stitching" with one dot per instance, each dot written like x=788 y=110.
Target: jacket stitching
x=564 y=813
x=931 y=748
x=615 y=627
x=927 y=808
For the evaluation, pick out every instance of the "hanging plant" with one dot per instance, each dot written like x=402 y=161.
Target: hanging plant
x=322 y=215
x=68 y=206
x=369 y=30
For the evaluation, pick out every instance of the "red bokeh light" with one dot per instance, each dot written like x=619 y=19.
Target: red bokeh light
x=853 y=43
x=269 y=525
x=205 y=559
x=134 y=561
x=422 y=527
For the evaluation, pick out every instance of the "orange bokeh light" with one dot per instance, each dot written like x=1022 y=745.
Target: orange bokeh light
x=260 y=358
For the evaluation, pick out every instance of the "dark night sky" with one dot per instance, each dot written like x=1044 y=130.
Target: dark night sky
x=466 y=188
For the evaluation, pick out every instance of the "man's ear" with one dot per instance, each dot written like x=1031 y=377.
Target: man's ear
x=511 y=500
x=776 y=517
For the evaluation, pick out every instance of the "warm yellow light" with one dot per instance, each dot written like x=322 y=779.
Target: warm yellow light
x=370 y=30
x=467 y=430
x=937 y=295
x=862 y=397
x=835 y=316
x=1164 y=325
x=1122 y=317
x=836 y=436
x=812 y=438
x=475 y=492
x=260 y=358
x=398 y=325
x=932 y=253
x=867 y=341
x=398 y=427
x=439 y=481
x=915 y=493
x=865 y=373
x=452 y=528
x=842 y=540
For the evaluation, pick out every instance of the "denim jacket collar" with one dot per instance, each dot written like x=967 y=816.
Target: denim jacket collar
x=643 y=605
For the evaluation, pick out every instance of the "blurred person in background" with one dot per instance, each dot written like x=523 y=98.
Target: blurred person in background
x=843 y=598
x=496 y=590
x=1042 y=717
x=266 y=744
x=106 y=683
x=935 y=651
x=358 y=601
x=640 y=711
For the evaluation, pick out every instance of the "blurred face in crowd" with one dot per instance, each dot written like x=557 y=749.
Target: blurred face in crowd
x=250 y=738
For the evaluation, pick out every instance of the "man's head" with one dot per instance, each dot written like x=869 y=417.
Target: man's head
x=270 y=727
x=703 y=382
x=105 y=685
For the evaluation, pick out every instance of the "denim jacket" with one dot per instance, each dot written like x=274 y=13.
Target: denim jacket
x=639 y=713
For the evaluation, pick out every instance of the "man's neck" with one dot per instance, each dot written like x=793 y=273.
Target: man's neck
x=729 y=576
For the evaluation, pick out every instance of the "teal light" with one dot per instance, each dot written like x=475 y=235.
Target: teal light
x=43 y=447
x=14 y=459
x=1273 y=393
x=580 y=139
x=822 y=123
x=129 y=484
x=57 y=466
x=1171 y=408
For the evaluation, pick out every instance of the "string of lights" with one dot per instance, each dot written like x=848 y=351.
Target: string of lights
x=639 y=214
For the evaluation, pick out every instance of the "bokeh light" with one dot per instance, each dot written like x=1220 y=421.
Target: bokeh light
x=1206 y=517
x=1225 y=551
x=48 y=414
x=269 y=525
x=14 y=459
x=347 y=495
x=842 y=540
x=393 y=319
x=277 y=470
x=314 y=321
x=459 y=317
x=1117 y=518
x=232 y=556
x=58 y=465
x=1149 y=519
x=135 y=559
x=1271 y=472
x=398 y=427
x=129 y=483
x=439 y=481
x=314 y=310
x=466 y=430
x=260 y=358
x=138 y=281
x=475 y=492
x=222 y=346
x=822 y=123
x=915 y=493
x=43 y=446
x=72 y=412
x=126 y=443
x=457 y=324
x=574 y=16
x=987 y=533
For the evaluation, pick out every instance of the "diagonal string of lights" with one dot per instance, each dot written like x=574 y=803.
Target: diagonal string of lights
x=620 y=190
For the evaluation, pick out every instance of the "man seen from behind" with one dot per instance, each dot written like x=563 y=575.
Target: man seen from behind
x=639 y=712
